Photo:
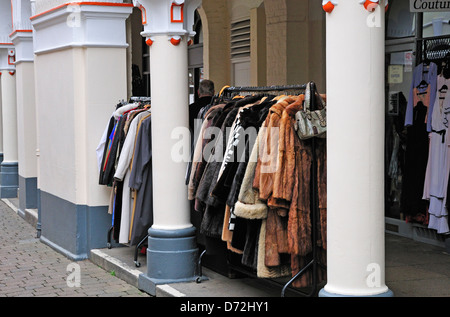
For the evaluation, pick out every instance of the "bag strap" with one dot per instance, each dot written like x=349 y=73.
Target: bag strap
x=307 y=103
x=307 y=106
x=322 y=102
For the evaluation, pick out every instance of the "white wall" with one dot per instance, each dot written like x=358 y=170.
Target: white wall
x=26 y=119
x=77 y=92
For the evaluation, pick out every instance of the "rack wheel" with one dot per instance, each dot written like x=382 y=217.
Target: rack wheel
x=108 y=245
x=137 y=263
x=198 y=280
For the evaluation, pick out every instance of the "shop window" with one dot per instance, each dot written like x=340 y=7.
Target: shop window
x=436 y=24
x=400 y=22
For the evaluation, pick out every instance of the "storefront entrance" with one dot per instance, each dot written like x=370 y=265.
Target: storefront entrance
x=413 y=41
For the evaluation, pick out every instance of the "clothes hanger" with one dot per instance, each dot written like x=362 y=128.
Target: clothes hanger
x=426 y=62
x=422 y=84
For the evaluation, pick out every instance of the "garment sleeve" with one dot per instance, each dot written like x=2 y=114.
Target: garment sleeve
x=433 y=93
x=142 y=155
x=127 y=151
x=100 y=150
x=410 y=104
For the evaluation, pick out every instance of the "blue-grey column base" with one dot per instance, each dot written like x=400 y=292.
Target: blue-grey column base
x=324 y=293
x=172 y=257
x=9 y=179
x=71 y=229
x=38 y=225
x=27 y=195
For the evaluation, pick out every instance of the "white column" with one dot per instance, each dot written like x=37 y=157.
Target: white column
x=169 y=87
x=355 y=149
x=1 y=126
x=22 y=38
x=9 y=166
x=172 y=251
x=9 y=116
x=80 y=76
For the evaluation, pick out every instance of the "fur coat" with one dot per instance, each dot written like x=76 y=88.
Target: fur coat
x=268 y=195
x=280 y=196
x=250 y=206
x=213 y=216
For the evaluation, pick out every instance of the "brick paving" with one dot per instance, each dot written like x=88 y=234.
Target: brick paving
x=30 y=268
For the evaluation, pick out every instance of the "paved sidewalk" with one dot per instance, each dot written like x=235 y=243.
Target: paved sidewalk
x=30 y=268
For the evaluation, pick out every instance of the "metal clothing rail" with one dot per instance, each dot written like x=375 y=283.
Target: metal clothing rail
x=230 y=91
x=314 y=264
x=265 y=88
x=142 y=99
x=136 y=250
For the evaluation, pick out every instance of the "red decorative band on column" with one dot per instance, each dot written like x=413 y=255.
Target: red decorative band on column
x=90 y=3
x=11 y=56
x=149 y=42
x=12 y=73
x=176 y=13
x=144 y=14
x=370 y=5
x=328 y=5
x=20 y=31
x=175 y=40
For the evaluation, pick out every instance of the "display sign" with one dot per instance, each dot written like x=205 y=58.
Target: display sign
x=429 y=5
x=395 y=74
x=408 y=61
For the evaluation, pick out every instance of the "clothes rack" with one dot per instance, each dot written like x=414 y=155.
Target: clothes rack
x=228 y=93
x=140 y=101
x=314 y=263
x=136 y=250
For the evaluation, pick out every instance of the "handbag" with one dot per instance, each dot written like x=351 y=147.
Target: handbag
x=311 y=123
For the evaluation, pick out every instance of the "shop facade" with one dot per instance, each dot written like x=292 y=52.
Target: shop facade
x=65 y=67
x=416 y=34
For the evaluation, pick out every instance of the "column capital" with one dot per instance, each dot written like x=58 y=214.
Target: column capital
x=81 y=24
x=174 y=18
x=369 y=5
x=7 y=58
x=22 y=33
x=23 y=43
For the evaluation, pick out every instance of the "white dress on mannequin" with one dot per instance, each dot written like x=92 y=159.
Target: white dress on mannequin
x=438 y=166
